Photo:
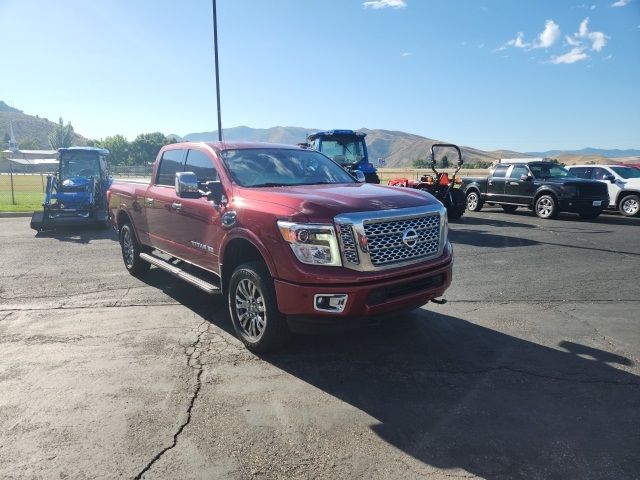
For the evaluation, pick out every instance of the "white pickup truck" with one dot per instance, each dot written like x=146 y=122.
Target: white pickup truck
x=622 y=181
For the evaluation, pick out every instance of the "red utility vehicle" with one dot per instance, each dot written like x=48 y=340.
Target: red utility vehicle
x=285 y=233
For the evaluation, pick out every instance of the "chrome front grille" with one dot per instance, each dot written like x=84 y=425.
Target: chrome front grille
x=386 y=239
x=349 y=250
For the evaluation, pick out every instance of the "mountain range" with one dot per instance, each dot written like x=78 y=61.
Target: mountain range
x=397 y=149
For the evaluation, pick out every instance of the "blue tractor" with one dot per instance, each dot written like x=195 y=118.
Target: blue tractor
x=347 y=148
x=77 y=195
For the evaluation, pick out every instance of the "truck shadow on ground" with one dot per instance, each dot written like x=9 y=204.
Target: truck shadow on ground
x=80 y=235
x=456 y=395
x=453 y=394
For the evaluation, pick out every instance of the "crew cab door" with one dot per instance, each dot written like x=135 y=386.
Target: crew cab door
x=161 y=201
x=496 y=182
x=517 y=190
x=198 y=228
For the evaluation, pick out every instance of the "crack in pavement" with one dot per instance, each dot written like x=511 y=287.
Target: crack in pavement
x=193 y=352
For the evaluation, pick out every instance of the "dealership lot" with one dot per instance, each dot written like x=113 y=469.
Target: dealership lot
x=530 y=371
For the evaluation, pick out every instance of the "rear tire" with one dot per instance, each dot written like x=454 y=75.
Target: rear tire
x=509 y=208
x=131 y=252
x=546 y=207
x=457 y=204
x=629 y=205
x=253 y=308
x=474 y=202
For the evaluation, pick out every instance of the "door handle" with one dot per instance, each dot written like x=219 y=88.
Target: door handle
x=176 y=206
x=514 y=183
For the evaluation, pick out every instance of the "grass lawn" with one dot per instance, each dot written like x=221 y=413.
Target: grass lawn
x=28 y=193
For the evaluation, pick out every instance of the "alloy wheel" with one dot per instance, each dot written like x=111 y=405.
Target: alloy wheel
x=250 y=309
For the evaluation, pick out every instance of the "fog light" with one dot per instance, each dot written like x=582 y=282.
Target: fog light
x=334 y=303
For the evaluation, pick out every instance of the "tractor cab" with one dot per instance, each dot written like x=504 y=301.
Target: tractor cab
x=347 y=148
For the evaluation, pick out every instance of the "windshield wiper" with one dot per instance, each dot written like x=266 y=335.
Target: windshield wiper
x=268 y=184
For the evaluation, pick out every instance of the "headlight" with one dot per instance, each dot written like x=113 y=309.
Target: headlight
x=312 y=243
x=570 y=191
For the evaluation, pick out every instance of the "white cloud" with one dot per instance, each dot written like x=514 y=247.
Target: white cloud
x=549 y=35
x=598 y=39
x=377 y=4
x=593 y=7
x=518 y=41
x=572 y=41
x=405 y=54
x=621 y=3
x=584 y=27
x=575 y=55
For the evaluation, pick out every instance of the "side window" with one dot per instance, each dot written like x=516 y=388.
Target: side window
x=518 y=171
x=202 y=165
x=170 y=163
x=581 y=172
x=599 y=173
x=500 y=171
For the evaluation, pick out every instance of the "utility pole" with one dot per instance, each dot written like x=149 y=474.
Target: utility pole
x=215 y=48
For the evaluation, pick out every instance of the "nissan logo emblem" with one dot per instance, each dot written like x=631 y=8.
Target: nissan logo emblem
x=410 y=237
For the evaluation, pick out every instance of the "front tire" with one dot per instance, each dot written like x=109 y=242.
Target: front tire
x=630 y=205
x=474 y=202
x=253 y=308
x=546 y=207
x=131 y=251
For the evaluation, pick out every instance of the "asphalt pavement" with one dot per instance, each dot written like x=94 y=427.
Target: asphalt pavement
x=529 y=371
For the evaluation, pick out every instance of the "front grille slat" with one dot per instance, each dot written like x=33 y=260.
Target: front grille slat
x=385 y=239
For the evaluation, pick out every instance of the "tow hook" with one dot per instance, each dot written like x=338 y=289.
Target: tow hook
x=442 y=301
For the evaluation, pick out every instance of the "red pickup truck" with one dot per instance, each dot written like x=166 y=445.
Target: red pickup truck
x=285 y=233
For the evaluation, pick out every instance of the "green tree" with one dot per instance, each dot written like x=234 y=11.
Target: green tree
x=146 y=146
x=28 y=144
x=119 y=149
x=421 y=163
x=445 y=162
x=62 y=135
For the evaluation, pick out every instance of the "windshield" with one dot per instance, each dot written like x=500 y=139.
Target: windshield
x=345 y=151
x=549 y=170
x=79 y=164
x=627 y=172
x=275 y=167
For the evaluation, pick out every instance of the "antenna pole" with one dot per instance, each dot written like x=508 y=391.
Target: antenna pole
x=215 y=48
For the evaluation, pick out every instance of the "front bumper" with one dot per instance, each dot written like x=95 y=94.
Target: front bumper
x=402 y=292
x=583 y=205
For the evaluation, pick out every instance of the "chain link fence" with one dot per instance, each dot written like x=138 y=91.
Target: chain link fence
x=22 y=187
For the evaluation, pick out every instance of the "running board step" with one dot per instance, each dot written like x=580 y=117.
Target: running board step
x=178 y=272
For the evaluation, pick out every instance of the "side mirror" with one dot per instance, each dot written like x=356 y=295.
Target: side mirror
x=215 y=192
x=611 y=178
x=187 y=185
x=359 y=176
x=526 y=178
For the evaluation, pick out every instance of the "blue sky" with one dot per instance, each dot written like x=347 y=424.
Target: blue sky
x=522 y=75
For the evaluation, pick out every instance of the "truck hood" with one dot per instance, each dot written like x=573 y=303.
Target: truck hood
x=324 y=202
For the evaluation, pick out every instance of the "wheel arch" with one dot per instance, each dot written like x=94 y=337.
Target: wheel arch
x=238 y=250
